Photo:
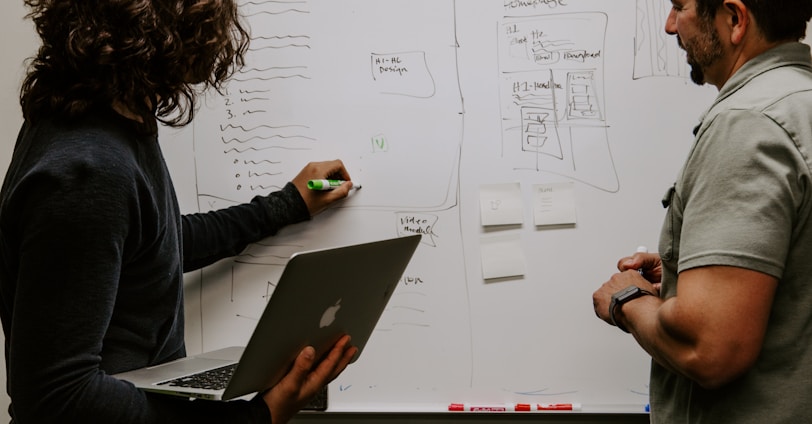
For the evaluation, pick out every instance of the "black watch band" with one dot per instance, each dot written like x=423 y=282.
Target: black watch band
x=623 y=296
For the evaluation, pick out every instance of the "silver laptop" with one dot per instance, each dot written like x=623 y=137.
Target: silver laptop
x=321 y=295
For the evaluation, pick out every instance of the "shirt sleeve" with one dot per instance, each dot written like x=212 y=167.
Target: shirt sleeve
x=742 y=193
x=209 y=237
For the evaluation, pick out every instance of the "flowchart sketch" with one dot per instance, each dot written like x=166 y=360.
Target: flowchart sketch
x=656 y=54
x=373 y=83
x=553 y=114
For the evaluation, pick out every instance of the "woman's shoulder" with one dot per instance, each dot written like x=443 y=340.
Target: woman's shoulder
x=101 y=143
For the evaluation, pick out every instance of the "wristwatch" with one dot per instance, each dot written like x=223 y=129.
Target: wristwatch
x=618 y=299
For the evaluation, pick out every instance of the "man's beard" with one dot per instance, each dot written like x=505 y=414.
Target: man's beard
x=697 y=74
x=702 y=51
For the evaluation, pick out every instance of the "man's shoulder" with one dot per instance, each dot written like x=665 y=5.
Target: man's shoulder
x=773 y=92
x=786 y=83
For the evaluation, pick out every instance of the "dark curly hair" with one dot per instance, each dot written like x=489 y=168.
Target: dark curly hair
x=152 y=56
x=779 y=20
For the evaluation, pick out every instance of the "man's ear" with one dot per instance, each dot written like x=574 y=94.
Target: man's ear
x=737 y=19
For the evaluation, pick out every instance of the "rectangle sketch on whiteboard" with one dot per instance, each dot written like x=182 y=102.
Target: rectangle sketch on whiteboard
x=326 y=80
x=553 y=117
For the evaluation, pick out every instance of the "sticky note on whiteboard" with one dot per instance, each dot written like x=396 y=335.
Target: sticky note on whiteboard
x=554 y=204
x=502 y=256
x=501 y=204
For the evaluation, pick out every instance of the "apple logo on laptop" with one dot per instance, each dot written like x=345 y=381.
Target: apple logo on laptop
x=329 y=314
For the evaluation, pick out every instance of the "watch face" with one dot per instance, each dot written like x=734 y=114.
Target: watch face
x=627 y=294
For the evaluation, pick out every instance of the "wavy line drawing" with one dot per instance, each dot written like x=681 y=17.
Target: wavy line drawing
x=252 y=174
x=256 y=127
x=253 y=99
x=270 y=68
x=270 y=137
x=275 y=1
x=265 y=187
x=238 y=79
x=257 y=162
x=282 y=12
x=259 y=149
x=284 y=46
x=244 y=91
x=278 y=37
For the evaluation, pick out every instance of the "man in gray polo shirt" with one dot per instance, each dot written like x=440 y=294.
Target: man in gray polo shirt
x=725 y=308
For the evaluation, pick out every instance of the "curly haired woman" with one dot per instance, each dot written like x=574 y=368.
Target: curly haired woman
x=92 y=243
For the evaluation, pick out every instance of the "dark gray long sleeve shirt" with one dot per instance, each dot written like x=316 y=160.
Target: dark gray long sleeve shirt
x=92 y=252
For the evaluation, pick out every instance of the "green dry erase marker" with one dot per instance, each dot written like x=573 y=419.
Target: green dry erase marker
x=323 y=184
x=326 y=184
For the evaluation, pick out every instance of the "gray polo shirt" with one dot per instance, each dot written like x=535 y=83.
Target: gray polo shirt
x=744 y=199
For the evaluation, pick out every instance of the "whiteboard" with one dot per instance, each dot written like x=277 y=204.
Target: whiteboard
x=427 y=102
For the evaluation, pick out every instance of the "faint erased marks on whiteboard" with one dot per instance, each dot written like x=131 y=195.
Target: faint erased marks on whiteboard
x=656 y=54
x=408 y=307
x=553 y=118
x=405 y=74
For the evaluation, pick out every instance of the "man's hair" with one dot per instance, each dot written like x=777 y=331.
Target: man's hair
x=779 y=20
x=154 y=57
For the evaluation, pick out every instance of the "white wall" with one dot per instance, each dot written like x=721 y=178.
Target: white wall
x=18 y=42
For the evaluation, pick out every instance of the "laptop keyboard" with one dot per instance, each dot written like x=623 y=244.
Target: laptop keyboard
x=214 y=379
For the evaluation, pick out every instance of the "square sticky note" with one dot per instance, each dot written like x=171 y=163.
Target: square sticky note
x=554 y=204
x=502 y=256
x=501 y=204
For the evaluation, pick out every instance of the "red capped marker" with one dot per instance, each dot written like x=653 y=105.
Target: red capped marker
x=507 y=407
x=558 y=407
